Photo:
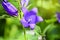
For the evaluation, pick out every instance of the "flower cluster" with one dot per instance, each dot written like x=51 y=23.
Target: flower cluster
x=29 y=19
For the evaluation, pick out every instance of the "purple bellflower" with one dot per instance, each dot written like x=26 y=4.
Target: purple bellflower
x=10 y=9
x=30 y=18
x=58 y=16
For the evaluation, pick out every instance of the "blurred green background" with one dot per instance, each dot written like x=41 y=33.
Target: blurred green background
x=11 y=28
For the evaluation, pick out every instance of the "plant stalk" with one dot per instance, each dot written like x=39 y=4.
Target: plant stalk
x=24 y=33
x=19 y=10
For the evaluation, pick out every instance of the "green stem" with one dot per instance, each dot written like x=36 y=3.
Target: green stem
x=19 y=11
x=20 y=16
x=24 y=33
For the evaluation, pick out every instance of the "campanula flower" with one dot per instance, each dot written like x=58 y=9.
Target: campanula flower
x=10 y=9
x=24 y=3
x=58 y=16
x=30 y=18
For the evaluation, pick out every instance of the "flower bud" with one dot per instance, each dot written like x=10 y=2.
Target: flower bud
x=10 y=9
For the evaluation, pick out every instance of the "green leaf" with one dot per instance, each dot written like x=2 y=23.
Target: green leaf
x=50 y=26
x=37 y=30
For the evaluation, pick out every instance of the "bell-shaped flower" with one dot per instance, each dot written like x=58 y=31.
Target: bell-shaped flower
x=30 y=18
x=10 y=9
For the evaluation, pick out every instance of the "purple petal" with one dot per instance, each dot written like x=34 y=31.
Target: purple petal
x=11 y=10
x=32 y=19
x=24 y=3
x=28 y=14
x=39 y=19
x=31 y=12
x=24 y=10
x=58 y=17
x=59 y=20
x=32 y=26
x=5 y=0
x=35 y=10
x=24 y=23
